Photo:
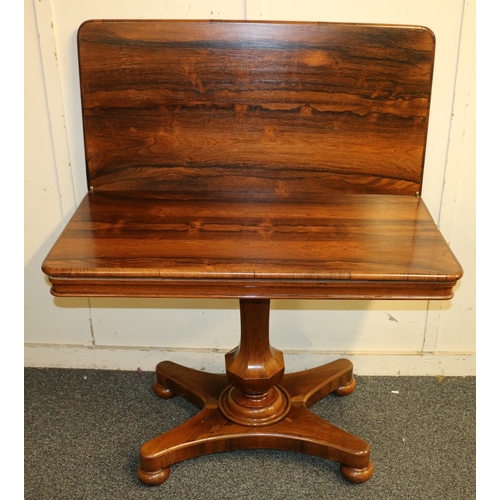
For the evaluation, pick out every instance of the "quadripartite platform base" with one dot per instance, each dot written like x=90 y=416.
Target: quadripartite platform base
x=295 y=428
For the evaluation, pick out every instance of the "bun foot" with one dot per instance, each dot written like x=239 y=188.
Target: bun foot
x=346 y=389
x=163 y=392
x=354 y=475
x=153 y=478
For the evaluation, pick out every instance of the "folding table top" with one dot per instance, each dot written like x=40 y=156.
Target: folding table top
x=235 y=159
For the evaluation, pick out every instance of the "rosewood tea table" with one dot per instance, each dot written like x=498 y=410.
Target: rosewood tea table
x=254 y=161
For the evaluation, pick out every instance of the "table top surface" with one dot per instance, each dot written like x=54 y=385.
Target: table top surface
x=253 y=160
x=362 y=239
x=256 y=107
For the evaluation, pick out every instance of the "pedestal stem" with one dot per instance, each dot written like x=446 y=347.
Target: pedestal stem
x=254 y=369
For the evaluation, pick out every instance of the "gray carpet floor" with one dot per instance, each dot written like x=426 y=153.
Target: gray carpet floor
x=83 y=430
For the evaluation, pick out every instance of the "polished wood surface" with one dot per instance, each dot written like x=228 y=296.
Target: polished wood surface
x=266 y=108
x=255 y=161
x=270 y=410
x=354 y=246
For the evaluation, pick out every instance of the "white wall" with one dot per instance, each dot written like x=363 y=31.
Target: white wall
x=381 y=337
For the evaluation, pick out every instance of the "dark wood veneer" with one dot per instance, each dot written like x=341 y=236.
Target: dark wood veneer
x=229 y=108
x=354 y=246
x=254 y=161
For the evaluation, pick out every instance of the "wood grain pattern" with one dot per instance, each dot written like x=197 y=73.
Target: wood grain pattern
x=210 y=431
x=254 y=161
x=266 y=108
x=355 y=246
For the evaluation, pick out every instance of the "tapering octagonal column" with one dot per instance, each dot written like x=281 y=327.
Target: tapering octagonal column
x=254 y=370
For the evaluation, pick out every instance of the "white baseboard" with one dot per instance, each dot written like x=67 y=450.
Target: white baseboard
x=133 y=358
